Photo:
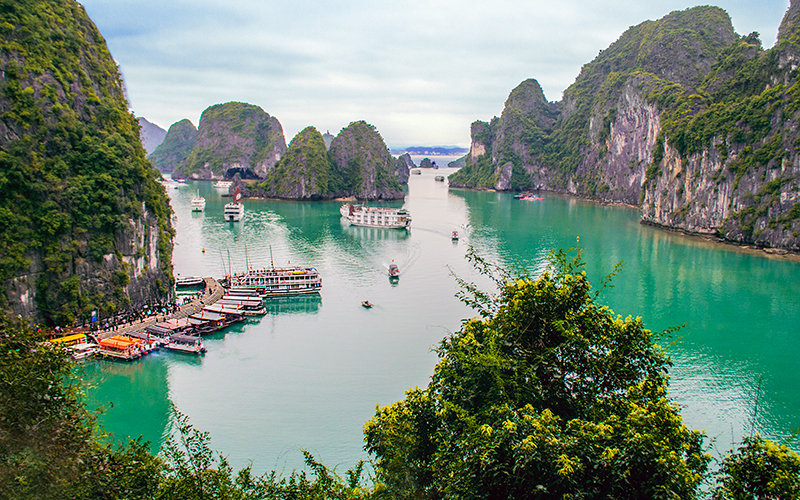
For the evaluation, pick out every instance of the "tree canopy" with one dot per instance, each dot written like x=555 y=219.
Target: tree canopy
x=548 y=395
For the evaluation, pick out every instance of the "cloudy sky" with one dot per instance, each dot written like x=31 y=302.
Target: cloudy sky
x=419 y=70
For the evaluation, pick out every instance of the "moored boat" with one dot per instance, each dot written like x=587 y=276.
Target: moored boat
x=77 y=344
x=120 y=347
x=223 y=184
x=276 y=281
x=389 y=218
x=185 y=343
x=189 y=281
x=83 y=350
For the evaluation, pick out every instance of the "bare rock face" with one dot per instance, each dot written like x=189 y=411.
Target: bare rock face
x=404 y=166
x=364 y=162
x=234 y=138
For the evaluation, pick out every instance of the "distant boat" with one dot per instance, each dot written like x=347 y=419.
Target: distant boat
x=394 y=272
x=366 y=304
x=234 y=211
x=198 y=203
x=439 y=178
x=454 y=236
x=416 y=172
x=223 y=184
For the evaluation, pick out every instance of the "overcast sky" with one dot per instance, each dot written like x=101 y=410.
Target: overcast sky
x=420 y=71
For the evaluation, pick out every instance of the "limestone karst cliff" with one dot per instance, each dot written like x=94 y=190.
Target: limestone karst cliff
x=681 y=116
x=305 y=172
x=358 y=164
x=84 y=223
x=176 y=146
x=234 y=138
x=367 y=167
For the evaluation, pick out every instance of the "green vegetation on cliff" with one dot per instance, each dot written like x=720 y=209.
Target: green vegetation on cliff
x=176 y=146
x=681 y=47
x=306 y=171
x=365 y=164
x=234 y=135
x=73 y=172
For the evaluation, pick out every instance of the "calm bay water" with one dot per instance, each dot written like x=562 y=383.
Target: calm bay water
x=309 y=373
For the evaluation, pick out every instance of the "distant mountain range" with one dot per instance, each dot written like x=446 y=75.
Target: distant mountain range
x=431 y=151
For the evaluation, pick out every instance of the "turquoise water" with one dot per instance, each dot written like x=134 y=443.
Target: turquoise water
x=309 y=373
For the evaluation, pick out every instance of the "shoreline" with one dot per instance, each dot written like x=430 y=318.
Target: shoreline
x=771 y=252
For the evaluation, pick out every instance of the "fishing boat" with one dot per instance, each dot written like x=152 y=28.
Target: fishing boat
x=223 y=184
x=277 y=281
x=198 y=203
x=389 y=218
x=394 y=271
x=234 y=211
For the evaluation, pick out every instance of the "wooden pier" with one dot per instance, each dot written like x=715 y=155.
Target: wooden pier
x=184 y=311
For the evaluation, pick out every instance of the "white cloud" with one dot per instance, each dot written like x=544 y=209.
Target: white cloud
x=420 y=71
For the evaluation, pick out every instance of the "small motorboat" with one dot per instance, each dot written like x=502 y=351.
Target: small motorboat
x=366 y=304
x=394 y=272
x=454 y=236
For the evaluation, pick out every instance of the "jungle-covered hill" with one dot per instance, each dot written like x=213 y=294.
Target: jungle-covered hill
x=84 y=222
x=681 y=116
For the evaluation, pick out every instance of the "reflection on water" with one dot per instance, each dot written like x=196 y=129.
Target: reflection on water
x=298 y=304
x=372 y=233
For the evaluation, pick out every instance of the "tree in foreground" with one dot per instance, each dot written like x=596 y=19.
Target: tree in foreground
x=759 y=469
x=547 y=395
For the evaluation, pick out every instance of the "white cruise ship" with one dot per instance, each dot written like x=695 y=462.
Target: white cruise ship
x=276 y=281
x=389 y=218
x=198 y=203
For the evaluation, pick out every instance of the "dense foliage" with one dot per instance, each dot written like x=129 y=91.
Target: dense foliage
x=759 y=469
x=73 y=172
x=176 y=146
x=234 y=133
x=306 y=170
x=549 y=395
x=364 y=163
